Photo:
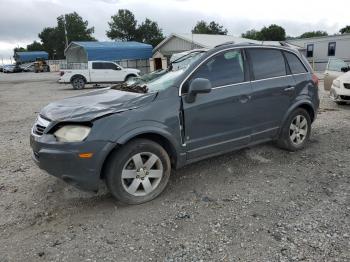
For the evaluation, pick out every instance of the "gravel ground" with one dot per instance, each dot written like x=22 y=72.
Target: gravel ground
x=257 y=204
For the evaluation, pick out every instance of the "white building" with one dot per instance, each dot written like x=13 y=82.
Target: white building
x=319 y=49
x=177 y=43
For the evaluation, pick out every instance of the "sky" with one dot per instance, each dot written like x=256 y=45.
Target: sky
x=22 y=20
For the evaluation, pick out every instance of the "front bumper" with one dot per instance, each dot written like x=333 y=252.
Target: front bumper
x=62 y=159
x=340 y=93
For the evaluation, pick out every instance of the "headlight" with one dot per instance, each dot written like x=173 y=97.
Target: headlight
x=72 y=133
x=336 y=83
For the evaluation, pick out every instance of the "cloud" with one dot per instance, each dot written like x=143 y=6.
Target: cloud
x=22 y=20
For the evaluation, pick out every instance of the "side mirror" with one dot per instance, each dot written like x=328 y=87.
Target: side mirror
x=345 y=69
x=198 y=86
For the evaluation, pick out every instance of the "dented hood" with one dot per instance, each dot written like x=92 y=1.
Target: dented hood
x=95 y=104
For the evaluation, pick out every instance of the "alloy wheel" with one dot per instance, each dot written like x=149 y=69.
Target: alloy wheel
x=142 y=174
x=298 y=130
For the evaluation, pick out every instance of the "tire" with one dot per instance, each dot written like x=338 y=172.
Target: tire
x=129 y=77
x=295 y=137
x=126 y=172
x=78 y=82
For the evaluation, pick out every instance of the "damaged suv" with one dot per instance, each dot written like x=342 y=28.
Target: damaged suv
x=133 y=134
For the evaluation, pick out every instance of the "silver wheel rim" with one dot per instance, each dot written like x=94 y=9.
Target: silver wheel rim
x=79 y=83
x=298 y=130
x=142 y=174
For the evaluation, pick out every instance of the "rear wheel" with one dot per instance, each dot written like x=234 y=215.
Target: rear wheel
x=138 y=172
x=296 y=130
x=78 y=82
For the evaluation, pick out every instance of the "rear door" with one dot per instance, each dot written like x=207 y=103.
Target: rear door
x=220 y=120
x=99 y=73
x=333 y=70
x=272 y=90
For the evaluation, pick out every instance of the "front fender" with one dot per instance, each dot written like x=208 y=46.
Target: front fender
x=152 y=127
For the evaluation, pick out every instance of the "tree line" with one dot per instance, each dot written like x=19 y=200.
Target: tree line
x=123 y=26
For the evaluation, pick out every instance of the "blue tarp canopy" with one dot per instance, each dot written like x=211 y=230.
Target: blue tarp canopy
x=30 y=56
x=78 y=52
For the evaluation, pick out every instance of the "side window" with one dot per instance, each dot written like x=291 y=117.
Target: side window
x=110 y=66
x=295 y=65
x=97 y=65
x=331 y=48
x=266 y=63
x=310 y=50
x=222 y=69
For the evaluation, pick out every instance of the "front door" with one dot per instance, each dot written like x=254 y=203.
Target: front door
x=106 y=72
x=220 y=120
x=157 y=63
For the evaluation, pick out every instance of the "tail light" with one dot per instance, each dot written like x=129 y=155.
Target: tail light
x=61 y=73
x=315 y=79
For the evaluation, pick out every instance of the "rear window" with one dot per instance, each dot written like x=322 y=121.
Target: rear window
x=335 y=64
x=267 y=63
x=295 y=65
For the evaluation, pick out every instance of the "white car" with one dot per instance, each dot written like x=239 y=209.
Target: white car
x=340 y=89
x=97 y=72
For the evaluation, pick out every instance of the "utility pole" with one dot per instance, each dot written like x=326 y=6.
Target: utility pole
x=65 y=29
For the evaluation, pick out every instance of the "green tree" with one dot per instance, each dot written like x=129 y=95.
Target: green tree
x=49 y=39
x=273 y=33
x=53 y=38
x=252 y=34
x=19 y=49
x=213 y=28
x=123 y=26
x=313 y=34
x=149 y=32
x=345 y=30
x=270 y=33
x=35 y=46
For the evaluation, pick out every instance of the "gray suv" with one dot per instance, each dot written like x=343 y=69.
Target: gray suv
x=131 y=135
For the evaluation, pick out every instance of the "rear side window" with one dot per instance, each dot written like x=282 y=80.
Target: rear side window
x=267 y=63
x=295 y=65
x=222 y=69
x=102 y=65
x=97 y=65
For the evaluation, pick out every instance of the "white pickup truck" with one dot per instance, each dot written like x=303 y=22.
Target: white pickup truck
x=97 y=72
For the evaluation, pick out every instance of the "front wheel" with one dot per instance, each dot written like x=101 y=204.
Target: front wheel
x=138 y=172
x=296 y=130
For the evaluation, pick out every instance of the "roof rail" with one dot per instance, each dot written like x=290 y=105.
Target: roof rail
x=232 y=42
x=226 y=43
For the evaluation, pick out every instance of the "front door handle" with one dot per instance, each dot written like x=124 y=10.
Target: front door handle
x=244 y=99
x=289 y=89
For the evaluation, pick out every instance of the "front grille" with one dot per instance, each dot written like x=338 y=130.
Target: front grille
x=40 y=126
x=345 y=97
x=347 y=86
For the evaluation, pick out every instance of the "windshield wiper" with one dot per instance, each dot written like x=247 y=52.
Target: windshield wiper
x=135 y=88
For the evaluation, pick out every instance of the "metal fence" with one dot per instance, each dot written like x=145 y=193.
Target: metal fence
x=141 y=64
